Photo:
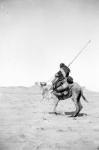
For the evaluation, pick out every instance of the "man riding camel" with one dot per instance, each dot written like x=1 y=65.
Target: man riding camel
x=62 y=81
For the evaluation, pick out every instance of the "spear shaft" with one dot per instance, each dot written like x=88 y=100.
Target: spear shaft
x=76 y=56
x=79 y=52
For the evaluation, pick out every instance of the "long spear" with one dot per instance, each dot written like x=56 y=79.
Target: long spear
x=79 y=52
x=76 y=56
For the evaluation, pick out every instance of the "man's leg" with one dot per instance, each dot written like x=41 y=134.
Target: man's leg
x=63 y=87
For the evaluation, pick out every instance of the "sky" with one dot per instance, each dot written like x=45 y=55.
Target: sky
x=37 y=35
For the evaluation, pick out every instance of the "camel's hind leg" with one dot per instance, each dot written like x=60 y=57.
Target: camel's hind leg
x=78 y=105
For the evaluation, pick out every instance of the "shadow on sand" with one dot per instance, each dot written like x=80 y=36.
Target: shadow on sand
x=70 y=114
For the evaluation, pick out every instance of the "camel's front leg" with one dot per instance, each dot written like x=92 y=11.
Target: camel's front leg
x=55 y=105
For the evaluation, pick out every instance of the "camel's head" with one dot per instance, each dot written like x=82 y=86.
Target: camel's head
x=42 y=84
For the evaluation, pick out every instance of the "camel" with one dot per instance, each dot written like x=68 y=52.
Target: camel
x=75 y=93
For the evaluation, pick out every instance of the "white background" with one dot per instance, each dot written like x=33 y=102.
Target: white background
x=37 y=35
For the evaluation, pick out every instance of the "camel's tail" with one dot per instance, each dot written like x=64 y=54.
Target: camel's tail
x=84 y=98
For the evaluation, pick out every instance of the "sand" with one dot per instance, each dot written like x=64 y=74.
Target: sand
x=26 y=122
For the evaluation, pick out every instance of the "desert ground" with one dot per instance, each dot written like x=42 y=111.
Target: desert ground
x=26 y=121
